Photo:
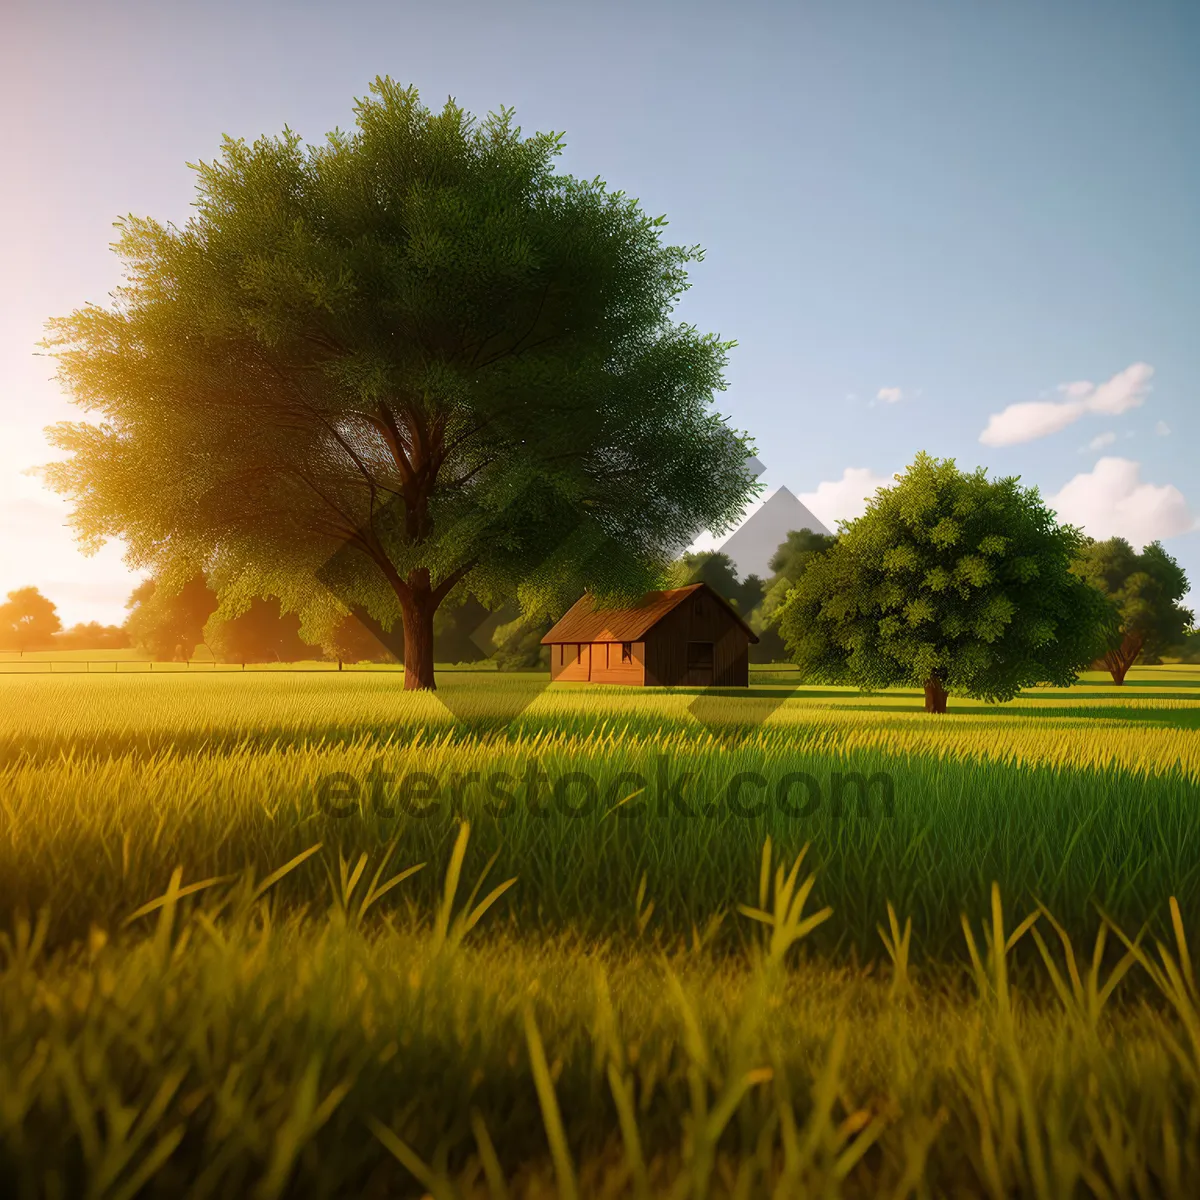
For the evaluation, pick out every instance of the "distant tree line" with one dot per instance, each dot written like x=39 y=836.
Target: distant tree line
x=178 y=624
x=950 y=581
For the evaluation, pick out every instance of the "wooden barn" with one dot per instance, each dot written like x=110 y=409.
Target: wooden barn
x=685 y=637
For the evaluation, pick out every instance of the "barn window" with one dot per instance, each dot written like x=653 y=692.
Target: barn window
x=627 y=652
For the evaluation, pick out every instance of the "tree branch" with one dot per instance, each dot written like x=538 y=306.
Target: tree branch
x=448 y=584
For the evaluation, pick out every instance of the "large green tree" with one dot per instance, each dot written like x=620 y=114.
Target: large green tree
x=410 y=359
x=1145 y=590
x=951 y=582
x=27 y=619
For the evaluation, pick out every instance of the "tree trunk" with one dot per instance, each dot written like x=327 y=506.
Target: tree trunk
x=1119 y=661
x=418 y=613
x=935 y=695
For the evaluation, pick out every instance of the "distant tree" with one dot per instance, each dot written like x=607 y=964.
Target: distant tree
x=168 y=624
x=705 y=566
x=1189 y=650
x=1145 y=589
x=519 y=643
x=951 y=582
x=718 y=571
x=455 y=631
x=792 y=557
x=27 y=620
x=461 y=633
x=749 y=595
x=407 y=360
x=787 y=564
x=352 y=641
x=92 y=636
x=259 y=634
x=770 y=647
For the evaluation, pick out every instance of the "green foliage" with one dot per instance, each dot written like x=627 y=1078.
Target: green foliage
x=27 y=620
x=168 y=624
x=787 y=564
x=456 y=625
x=464 y=631
x=1145 y=589
x=791 y=560
x=952 y=582
x=717 y=570
x=750 y=594
x=405 y=360
x=518 y=643
x=707 y=566
x=1189 y=651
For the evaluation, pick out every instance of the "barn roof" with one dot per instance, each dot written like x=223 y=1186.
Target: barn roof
x=583 y=622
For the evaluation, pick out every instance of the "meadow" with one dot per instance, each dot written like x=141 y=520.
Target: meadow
x=297 y=933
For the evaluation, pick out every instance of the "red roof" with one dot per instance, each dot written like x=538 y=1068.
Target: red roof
x=583 y=622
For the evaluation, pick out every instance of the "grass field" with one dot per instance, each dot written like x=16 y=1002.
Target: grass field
x=222 y=974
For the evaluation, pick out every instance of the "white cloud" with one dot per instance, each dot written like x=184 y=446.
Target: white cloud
x=1025 y=422
x=1101 y=440
x=1112 y=501
x=1162 y=428
x=846 y=498
x=1125 y=390
x=890 y=395
x=1076 y=391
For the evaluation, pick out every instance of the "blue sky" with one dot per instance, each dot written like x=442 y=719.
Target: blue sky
x=916 y=215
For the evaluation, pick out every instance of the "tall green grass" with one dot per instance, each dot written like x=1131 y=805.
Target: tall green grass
x=108 y=784
x=211 y=985
x=225 y=1044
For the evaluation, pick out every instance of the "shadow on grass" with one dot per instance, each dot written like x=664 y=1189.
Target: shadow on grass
x=1133 y=685
x=1176 y=718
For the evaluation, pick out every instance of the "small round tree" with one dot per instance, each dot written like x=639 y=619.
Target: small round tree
x=409 y=360
x=27 y=619
x=951 y=582
x=1145 y=589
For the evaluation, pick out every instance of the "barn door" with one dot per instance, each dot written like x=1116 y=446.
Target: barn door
x=699 y=664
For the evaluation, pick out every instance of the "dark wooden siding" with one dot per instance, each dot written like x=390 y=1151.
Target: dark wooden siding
x=698 y=619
